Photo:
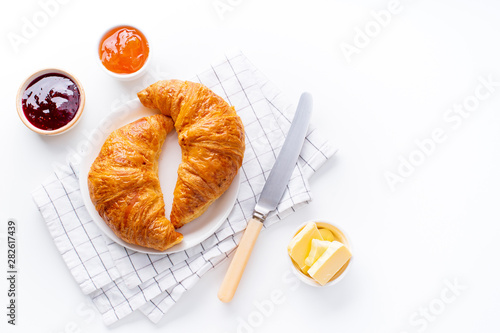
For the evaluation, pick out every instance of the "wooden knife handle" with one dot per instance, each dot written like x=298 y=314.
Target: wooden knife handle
x=239 y=262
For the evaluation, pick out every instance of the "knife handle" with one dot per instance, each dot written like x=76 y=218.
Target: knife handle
x=239 y=262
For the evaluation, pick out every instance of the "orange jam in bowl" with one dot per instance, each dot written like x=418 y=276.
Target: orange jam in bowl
x=123 y=50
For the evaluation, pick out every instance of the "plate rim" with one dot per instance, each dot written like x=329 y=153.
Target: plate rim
x=84 y=168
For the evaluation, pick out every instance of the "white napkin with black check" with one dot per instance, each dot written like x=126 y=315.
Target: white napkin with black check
x=119 y=280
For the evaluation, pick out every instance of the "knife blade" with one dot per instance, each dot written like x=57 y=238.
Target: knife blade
x=270 y=197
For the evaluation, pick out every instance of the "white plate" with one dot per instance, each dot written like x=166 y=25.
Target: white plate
x=194 y=232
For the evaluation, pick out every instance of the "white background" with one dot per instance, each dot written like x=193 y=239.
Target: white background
x=441 y=224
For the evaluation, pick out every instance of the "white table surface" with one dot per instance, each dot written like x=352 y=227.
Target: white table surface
x=439 y=226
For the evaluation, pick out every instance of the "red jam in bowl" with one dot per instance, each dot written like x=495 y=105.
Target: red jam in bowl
x=51 y=101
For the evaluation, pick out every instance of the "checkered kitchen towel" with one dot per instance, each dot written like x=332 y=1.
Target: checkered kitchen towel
x=119 y=280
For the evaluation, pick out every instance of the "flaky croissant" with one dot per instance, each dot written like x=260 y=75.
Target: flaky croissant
x=124 y=186
x=212 y=140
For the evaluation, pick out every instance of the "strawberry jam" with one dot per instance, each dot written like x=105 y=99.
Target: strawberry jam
x=51 y=101
x=124 y=50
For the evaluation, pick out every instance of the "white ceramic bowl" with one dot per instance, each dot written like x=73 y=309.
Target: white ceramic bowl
x=124 y=77
x=340 y=236
x=60 y=130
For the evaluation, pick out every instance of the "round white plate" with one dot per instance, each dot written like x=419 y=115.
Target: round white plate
x=194 y=232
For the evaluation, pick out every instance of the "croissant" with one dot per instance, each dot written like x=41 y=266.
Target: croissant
x=124 y=186
x=212 y=140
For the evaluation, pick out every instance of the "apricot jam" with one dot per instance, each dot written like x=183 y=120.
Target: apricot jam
x=51 y=101
x=124 y=50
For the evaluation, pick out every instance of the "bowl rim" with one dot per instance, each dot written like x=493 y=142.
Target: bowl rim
x=32 y=77
x=308 y=280
x=129 y=76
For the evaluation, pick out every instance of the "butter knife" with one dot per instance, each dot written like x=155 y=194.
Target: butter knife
x=270 y=197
